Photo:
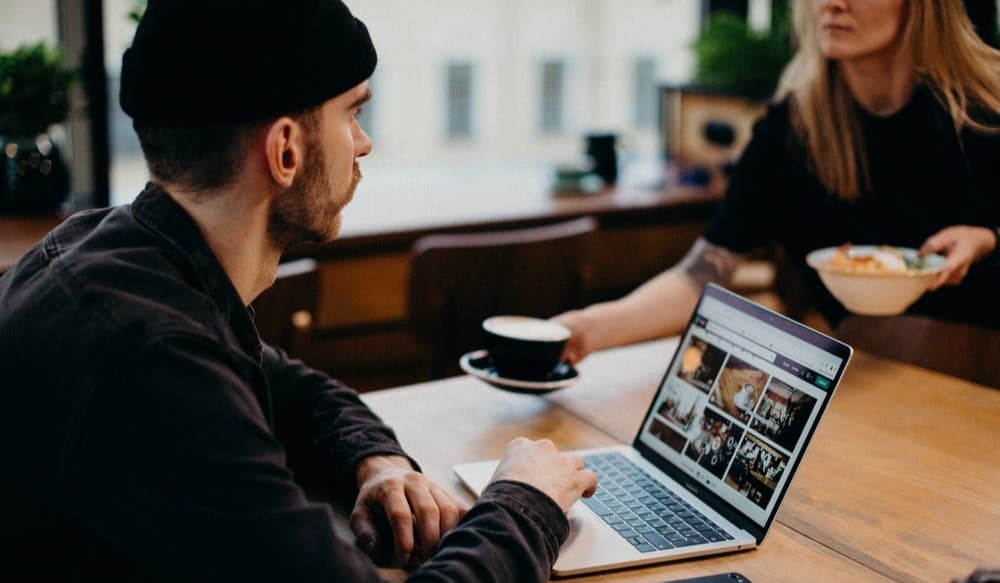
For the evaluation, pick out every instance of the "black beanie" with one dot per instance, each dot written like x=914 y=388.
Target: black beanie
x=197 y=63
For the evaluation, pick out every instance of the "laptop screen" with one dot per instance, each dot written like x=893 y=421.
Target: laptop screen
x=740 y=401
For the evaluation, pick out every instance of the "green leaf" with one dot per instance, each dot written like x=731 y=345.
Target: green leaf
x=732 y=57
x=138 y=8
x=34 y=90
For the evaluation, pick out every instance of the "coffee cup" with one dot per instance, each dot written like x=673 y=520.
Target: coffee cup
x=524 y=347
x=602 y=153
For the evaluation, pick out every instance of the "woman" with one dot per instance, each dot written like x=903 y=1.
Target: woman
x=885 y=130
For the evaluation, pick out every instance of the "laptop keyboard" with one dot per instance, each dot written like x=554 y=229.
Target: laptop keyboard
x=647 y=514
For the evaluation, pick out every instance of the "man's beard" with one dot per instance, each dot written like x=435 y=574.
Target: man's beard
x=307 y=212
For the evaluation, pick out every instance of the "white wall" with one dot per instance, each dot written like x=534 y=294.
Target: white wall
x=507 y=40
x=27 y=21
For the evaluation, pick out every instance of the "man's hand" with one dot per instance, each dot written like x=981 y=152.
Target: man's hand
x=962 y=246
x=538 y=463
x=416 y=511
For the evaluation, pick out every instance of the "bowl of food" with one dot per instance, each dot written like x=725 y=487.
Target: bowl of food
x=875 y=280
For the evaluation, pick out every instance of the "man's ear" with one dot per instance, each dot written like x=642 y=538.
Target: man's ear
x=284 y=150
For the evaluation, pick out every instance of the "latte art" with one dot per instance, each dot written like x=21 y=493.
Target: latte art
x=524 y=328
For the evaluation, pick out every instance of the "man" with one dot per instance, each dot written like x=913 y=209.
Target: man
x=145 y=427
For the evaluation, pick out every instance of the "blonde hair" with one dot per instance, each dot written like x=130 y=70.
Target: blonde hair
x=948 y=57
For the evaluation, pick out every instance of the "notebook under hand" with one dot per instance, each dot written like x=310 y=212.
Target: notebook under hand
x=717 y=449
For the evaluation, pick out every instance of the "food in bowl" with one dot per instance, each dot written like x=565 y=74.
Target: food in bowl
x=875 y=280
x=883 y=259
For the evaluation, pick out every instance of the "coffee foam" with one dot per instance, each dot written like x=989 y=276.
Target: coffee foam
x=525 y=328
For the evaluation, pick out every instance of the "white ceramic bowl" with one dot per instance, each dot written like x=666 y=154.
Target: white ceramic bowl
x=876 y=294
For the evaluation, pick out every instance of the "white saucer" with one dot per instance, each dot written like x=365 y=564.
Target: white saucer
x=479 y=364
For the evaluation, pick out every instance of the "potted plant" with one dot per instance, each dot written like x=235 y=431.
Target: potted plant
x=135 y=12
x=737 y=68
x=733 y=58
x=34 y=85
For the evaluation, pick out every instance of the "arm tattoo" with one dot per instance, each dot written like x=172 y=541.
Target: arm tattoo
x=706 y=262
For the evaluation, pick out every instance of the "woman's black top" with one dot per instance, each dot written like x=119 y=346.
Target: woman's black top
x=924 y=177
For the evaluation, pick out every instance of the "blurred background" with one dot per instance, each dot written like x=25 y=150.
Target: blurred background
x=479 y=82
x=505 y=83
x=486 y=115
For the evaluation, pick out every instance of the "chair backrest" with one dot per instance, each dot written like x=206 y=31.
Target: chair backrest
x=295 y=289
x=962 y=350
x=456 y=281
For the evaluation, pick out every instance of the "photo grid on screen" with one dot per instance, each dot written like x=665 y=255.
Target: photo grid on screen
x=728 y=415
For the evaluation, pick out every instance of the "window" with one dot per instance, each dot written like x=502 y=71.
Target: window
x=458 y=104
x=504 y=88
x=552 y=103
x=128 y=172
x=645 y=96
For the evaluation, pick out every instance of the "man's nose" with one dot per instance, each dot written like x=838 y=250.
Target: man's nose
x=362 y=144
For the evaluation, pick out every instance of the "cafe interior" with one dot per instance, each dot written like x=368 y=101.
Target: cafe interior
x=535 y=158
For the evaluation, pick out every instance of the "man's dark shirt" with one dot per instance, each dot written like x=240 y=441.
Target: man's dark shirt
x=923 y=179
x=144 y=427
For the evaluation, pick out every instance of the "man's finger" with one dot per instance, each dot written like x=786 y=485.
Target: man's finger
x=364 y=529
x=450 y=509
x=425 y=509
x=588 y=484
x=400 y=517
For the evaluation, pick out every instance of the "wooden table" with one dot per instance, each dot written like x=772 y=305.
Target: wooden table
x=18 y=234
x=899 y=482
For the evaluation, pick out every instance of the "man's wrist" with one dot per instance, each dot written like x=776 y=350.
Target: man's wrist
x=373 y=464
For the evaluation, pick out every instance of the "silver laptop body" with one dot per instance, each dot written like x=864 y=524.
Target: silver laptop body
x=717 y=449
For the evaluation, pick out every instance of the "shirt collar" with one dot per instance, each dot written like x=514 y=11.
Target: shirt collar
x=155 y=209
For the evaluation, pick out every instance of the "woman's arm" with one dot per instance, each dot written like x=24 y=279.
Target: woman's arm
x=660 y=307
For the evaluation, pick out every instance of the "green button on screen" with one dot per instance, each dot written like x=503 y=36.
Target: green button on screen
x=823 y=382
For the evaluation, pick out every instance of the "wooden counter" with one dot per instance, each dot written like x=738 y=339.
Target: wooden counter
x=18 y=234
x=361 y=318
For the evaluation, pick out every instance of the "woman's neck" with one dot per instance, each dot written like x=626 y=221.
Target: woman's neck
x=881 y=83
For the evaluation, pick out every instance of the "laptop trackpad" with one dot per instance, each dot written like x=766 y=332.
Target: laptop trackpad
x=591 y=542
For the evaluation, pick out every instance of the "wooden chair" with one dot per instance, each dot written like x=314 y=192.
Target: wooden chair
x=285 y=316
x=456 y=281
x=962 y=350
x=283 y=313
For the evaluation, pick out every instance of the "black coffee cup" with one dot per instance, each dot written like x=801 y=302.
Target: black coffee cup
x=523 y=347
x=603 y=156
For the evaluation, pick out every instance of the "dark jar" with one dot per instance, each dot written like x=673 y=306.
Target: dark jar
x=34 y=177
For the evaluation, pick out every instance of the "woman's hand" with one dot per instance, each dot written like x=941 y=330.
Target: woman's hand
x=581 y=342
x=961 y=246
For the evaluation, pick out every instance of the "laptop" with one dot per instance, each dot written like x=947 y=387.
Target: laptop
x=717 y=449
